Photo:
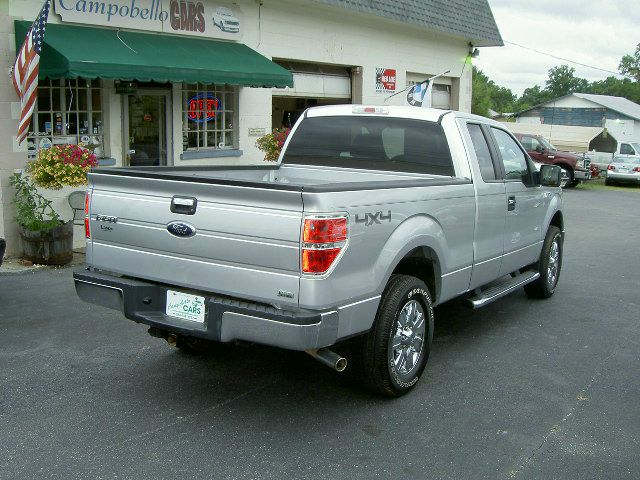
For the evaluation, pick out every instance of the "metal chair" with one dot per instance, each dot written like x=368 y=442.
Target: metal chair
x=76 y=202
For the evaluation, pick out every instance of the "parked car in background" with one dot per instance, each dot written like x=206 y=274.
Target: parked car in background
x=623 y=169
x=3 y=245
x=225 y=20
x=575 y=168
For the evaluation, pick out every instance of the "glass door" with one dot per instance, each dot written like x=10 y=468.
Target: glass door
x=146 y=129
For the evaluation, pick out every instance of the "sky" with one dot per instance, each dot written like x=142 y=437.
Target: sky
x=592 y=32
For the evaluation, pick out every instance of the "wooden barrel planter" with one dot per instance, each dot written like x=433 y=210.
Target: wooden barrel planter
x=48 y=247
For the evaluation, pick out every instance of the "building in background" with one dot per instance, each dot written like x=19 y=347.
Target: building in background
x=619 y=116
x=196 y=82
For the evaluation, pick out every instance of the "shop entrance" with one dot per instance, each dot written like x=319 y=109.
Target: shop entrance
x=146 y=126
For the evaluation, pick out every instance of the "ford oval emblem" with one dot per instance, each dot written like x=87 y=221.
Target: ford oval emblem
x=180 y=229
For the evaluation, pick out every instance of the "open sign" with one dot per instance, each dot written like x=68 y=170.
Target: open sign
x=202 y=107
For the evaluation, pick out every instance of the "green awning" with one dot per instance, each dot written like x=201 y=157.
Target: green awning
x=73 y=52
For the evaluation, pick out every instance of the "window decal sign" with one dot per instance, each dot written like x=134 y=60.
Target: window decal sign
x=385 y=80
x=202 y=107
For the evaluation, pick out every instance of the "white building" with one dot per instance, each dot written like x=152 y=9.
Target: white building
x=619 y=116
x=195 y=82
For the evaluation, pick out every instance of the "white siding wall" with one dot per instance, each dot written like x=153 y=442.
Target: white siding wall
x=294 y=30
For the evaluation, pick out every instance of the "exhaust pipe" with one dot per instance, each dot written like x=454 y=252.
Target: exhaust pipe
x=329 y=358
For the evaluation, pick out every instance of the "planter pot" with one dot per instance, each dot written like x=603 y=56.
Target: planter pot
x=48 y=247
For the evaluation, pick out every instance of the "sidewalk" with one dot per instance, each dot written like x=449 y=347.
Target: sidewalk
x=12 y=266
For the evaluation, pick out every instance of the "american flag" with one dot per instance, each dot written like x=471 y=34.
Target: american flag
x=25 y=70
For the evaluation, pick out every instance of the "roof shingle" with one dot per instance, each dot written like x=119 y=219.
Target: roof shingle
x=470 y=19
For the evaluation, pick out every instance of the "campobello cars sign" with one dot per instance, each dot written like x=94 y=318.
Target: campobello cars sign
x=184 y=17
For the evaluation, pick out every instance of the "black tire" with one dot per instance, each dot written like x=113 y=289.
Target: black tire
x=546 y=285
x=373 y=354
x=568 y=172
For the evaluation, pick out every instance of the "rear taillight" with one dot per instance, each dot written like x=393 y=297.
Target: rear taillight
x=323 y=239
x=637 y=169
x=324 y=230
x=611 y=167
x=87 y=203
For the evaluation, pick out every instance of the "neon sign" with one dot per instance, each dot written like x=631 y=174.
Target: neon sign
x=202 y=107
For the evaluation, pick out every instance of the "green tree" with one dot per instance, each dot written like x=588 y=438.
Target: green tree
x=486 y=95
x=531 y=97
x=630 y=64
x=563 y=81
x=480 y=97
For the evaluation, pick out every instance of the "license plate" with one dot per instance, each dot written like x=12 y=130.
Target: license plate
x=185 y=306
x=622 y=169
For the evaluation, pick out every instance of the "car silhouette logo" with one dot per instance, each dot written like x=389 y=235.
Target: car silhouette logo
x=180 y=229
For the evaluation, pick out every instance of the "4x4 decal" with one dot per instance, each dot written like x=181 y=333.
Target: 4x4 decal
x=371 y=218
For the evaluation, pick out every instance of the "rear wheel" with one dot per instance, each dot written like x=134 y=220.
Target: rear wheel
x=549 y=266
x=391 y=358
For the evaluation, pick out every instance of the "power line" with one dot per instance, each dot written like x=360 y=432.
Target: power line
x=568 y=60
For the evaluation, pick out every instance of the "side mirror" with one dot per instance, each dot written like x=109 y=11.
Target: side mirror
x=550 y=175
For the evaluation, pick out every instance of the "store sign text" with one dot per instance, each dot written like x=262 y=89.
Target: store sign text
x=202 y=107
x=187 y=16
x=385 y=80
x=191 y=17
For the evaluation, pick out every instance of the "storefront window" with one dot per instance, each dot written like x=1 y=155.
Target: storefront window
x=209 y=117
x=68 y=111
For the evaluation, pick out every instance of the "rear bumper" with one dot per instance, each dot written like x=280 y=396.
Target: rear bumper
x=623 y=177
x=226 y=319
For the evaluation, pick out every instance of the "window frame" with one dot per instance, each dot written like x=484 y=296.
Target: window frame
x=628 y=145
x=495 y=158
x=62 y=87
x=188 y=89
x=527 y=159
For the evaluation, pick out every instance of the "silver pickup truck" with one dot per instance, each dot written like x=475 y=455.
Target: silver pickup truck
x=372 y=217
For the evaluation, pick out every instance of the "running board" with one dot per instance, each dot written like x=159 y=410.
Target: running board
x=489 y=295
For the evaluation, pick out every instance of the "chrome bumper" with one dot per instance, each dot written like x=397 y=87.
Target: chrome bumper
x=582 y=175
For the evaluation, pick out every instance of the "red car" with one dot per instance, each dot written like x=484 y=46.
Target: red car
x=575 y=168
x=2 y=247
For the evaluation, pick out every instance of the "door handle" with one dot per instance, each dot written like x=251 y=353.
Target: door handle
x=511 y=203
x=184 y=205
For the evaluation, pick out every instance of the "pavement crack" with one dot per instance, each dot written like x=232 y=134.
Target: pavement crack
x=580 y=398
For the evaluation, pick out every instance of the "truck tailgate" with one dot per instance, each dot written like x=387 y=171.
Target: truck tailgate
x=246 y=240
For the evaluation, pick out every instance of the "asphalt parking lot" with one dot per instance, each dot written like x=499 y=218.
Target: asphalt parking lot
x=521 y=389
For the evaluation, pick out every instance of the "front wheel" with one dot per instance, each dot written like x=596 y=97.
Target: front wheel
x=391 y=358
x=549 y=266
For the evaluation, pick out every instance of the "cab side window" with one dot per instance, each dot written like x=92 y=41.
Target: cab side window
x=527 y=143
x=483 y=153
x=513 y=158
x=626 y=149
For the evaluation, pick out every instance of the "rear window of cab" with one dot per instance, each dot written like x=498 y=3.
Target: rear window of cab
x=371 y=143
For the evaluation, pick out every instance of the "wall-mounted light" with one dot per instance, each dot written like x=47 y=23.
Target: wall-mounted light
x=473 y=52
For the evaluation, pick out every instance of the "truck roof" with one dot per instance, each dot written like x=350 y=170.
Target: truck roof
x=416 y=113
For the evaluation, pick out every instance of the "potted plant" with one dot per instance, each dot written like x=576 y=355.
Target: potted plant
x=46 y=239
x=271 y=144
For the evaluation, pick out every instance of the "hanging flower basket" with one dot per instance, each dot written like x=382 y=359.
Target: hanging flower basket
x=61 y=165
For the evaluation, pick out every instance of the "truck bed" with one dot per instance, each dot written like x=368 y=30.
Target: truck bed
x=285 y=177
